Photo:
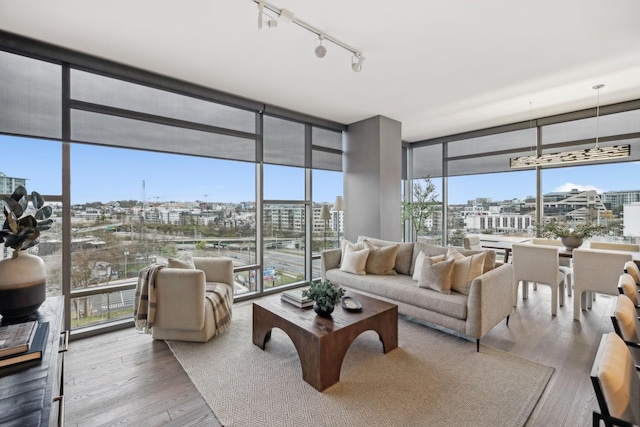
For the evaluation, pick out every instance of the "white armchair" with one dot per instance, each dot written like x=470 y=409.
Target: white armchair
x=186 y=307
x=595 y=271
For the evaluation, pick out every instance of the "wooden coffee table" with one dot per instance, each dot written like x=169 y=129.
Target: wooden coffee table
x=322 y=342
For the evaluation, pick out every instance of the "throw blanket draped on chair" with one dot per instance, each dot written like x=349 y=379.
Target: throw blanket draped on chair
x=144 y=307
x=217 y=296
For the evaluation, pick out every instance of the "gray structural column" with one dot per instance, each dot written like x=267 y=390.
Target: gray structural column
x=372 y=179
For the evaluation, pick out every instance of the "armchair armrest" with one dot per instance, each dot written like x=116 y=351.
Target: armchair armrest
x=180 y=299
x=216 y=269
x=490 y=300
x=329 y=259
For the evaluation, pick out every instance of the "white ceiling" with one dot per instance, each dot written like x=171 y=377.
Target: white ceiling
x=438 y=67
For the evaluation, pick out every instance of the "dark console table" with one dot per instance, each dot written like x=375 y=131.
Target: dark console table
x=31 y=393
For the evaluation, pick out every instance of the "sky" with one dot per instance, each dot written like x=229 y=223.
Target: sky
x=107 y=174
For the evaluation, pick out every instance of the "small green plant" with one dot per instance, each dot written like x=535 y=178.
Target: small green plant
x=324 y=294
x=21 y=231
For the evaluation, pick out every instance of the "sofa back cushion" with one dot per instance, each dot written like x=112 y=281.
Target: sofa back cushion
x=404 y=259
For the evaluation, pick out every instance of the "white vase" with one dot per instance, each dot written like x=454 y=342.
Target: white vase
x=23 y=281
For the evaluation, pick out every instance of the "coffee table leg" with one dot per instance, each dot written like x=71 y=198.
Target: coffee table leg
x=388 y=331
x=261 y=328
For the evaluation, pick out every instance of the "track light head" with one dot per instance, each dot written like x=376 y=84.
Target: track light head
x=320 y=50
x=356 y=62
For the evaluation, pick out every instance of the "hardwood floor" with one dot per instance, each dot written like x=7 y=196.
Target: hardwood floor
x=124 y=378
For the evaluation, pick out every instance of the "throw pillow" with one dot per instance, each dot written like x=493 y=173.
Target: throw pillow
x=429 y=250
x=354 y=261
x=437 y=276
x=183 y=261
x=466 y=268
x=355 y=246
x=420 y=262
x=381 y=260
x=404 y=256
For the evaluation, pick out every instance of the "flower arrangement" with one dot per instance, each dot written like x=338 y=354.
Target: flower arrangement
x=325 y=295
x=21 y=231
x=556 y=229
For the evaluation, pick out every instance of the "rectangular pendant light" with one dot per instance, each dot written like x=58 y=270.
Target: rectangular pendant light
x=567 y=157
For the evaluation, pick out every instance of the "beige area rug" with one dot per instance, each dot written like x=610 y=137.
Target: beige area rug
x=431 y=379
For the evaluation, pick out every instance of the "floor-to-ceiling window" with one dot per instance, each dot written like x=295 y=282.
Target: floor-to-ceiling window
x=486 y=196
x=139 y=168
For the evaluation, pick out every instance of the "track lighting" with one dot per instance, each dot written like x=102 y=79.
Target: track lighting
x=356 y=62
x=288 y=16
x=321 y=51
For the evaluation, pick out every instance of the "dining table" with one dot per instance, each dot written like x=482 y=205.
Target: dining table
x=507 y=247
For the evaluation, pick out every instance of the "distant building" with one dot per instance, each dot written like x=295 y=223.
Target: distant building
x=8 y=184
x=620 y=198
x=632 y=220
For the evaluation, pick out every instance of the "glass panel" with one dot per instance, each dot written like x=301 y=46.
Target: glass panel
x=481 y=164
x=30 y=96
x=284 y=142
x=634 y=155
x=425 y=211
x=326 y=138
x=101 y=90
x=427 y=161
x=284 y=242
x=327 y=161
x=41 y=173
x=595 y=194
x=128 y=212
x=609 y=125
x=118 y=131
x=485 y=144
x=245 y=282
x=498 y=206
x=283 y=183
x=102 y=308
x=328 y=223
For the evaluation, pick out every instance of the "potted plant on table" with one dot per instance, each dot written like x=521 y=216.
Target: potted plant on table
x=325 y=296
x=23 y=276
x=571 y=237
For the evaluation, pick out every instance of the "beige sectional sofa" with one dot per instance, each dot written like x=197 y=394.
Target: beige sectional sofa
x=472 y=310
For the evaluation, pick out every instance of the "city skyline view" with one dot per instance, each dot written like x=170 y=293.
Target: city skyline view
x=220 y=180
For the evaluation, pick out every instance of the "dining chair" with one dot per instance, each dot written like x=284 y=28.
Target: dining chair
x=627 y=286
x=615 y=246
x=564 y=262
x=538 y=264
x=630 y=267
x=616 y=383
x=595 y=271
x=625 y=321
x=472 y=243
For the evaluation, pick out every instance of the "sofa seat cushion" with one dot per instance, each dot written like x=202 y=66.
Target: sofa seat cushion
x=403 y=289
